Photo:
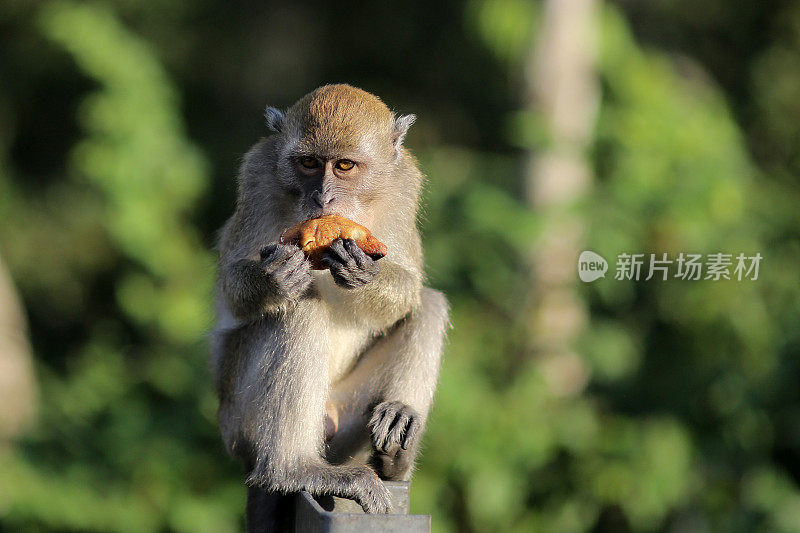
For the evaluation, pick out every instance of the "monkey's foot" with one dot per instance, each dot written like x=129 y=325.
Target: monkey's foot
x=356 y=482
x=372 y=494
x=393 y=426
x=395 y=429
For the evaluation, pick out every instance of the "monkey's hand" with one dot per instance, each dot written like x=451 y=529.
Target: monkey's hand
x=394 y=426
x=350 y=267
x=288 y=273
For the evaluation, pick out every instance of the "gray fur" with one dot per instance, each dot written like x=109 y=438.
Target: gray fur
x=401 y=127
x=364 y=336
x=275 y=119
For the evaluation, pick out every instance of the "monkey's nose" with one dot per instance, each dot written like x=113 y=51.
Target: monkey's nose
x=320 y=200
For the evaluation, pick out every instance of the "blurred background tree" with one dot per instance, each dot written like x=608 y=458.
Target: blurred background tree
x=677 y=408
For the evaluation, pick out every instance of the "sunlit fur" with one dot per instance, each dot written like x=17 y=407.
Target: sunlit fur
x=278 y=360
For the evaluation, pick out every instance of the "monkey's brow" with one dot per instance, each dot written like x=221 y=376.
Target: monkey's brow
x=299 y=153
x=296 y=154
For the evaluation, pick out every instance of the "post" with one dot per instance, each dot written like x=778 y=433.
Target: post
x=329 y=514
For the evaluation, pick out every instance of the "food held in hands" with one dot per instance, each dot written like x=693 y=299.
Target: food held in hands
x=315 y=235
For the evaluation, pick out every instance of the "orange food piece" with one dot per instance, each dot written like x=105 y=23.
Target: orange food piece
x=315 y=235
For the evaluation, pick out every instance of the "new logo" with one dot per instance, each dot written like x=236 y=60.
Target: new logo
x=591 y=266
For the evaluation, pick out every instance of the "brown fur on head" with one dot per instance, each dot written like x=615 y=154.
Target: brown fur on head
x=337 y=119
x=329 y=130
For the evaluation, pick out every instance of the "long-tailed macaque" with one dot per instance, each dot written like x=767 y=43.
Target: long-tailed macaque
x=321 y=373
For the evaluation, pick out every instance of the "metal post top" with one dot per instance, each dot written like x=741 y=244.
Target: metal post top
x=333 y=514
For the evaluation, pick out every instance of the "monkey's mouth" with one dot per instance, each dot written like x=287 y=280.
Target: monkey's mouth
x=316 y=212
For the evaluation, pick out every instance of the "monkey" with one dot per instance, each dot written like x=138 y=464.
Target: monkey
x=325 y=378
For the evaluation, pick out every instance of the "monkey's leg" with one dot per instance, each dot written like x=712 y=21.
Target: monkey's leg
x=279 y=405
x=388 y=394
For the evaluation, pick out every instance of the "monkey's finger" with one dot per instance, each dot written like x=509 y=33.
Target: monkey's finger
x=295 y=266
x=279 y=256
x=284 y=268
x=291 y=278
x=348 y=275
x=336 y=265
x=392 y=437
x=281 y=275
x=268 y=251
x=363 y=276
x=366 y=267
x=294 y=260
x=381 y=432
x=329 y=260
x=362 y=260
x=373 y=497
x=338 y=251
x=343 y=276
x=411 y=432
x=337 y=269
x=401 y=421
x=377 y=417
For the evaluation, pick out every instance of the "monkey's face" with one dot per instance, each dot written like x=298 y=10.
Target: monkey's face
x=342 y=180
x=338 y=153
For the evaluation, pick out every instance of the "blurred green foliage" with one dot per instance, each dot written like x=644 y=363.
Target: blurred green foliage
x=120 y=127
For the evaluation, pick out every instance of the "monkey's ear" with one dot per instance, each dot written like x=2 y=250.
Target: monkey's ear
x=401 y=125
x=275 y=119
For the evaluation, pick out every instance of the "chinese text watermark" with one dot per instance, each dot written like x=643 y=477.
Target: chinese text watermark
x=691 y=267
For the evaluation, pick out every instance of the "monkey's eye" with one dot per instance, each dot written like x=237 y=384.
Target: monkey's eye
x=345 y=164
x=309 y=161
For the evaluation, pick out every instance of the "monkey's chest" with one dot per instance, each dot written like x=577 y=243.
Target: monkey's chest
x=349 y=306
x=346 y=343
x=350 y=330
